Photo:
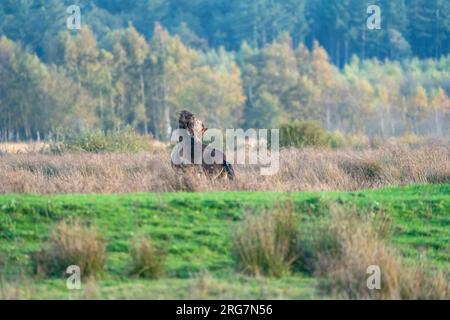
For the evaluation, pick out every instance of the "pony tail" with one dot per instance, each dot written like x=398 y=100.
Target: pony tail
x=229 y=170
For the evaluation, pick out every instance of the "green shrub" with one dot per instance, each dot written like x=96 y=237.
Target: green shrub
x=98 y=141
x=314 y=240
x=337 y=140
x=7 y=227
x=358 y=141
x=303 y=134
x=148 y=261
x=266 y=244
x=412 y=140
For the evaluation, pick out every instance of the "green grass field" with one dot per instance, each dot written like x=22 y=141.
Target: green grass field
x=194 y=230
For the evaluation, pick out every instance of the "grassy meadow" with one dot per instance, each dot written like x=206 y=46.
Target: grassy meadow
x=194 y=233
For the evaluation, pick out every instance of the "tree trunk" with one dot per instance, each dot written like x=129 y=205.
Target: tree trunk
x=338 y=53
x=382 y=129
x=437 y=123
x=143 y=103
x=363 y=45
x=328 y=118
x=346 y=52
x=101 y=108
x=390 y=121
x=113 y=111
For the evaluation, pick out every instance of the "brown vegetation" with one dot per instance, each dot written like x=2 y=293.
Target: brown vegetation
x=265 y=244
x=339 y=251
x=300 y=170
x=71 y=244
x=360 y=244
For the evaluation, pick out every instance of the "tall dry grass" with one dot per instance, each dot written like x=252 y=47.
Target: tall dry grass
x=358 y=243
x=71 y=244
x=147 y=260
x=22 y=147
x=266 y=244
x=300 y=170
x=338 y=252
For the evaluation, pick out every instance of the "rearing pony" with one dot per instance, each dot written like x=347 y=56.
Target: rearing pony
x=196 y=129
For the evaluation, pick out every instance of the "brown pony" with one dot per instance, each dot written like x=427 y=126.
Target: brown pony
x=196 y=129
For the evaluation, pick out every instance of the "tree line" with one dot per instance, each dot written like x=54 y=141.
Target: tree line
x=109 y=76
x=126 y=81
x=123 y=81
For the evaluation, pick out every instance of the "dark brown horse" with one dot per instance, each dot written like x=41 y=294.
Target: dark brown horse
x=195 y=128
